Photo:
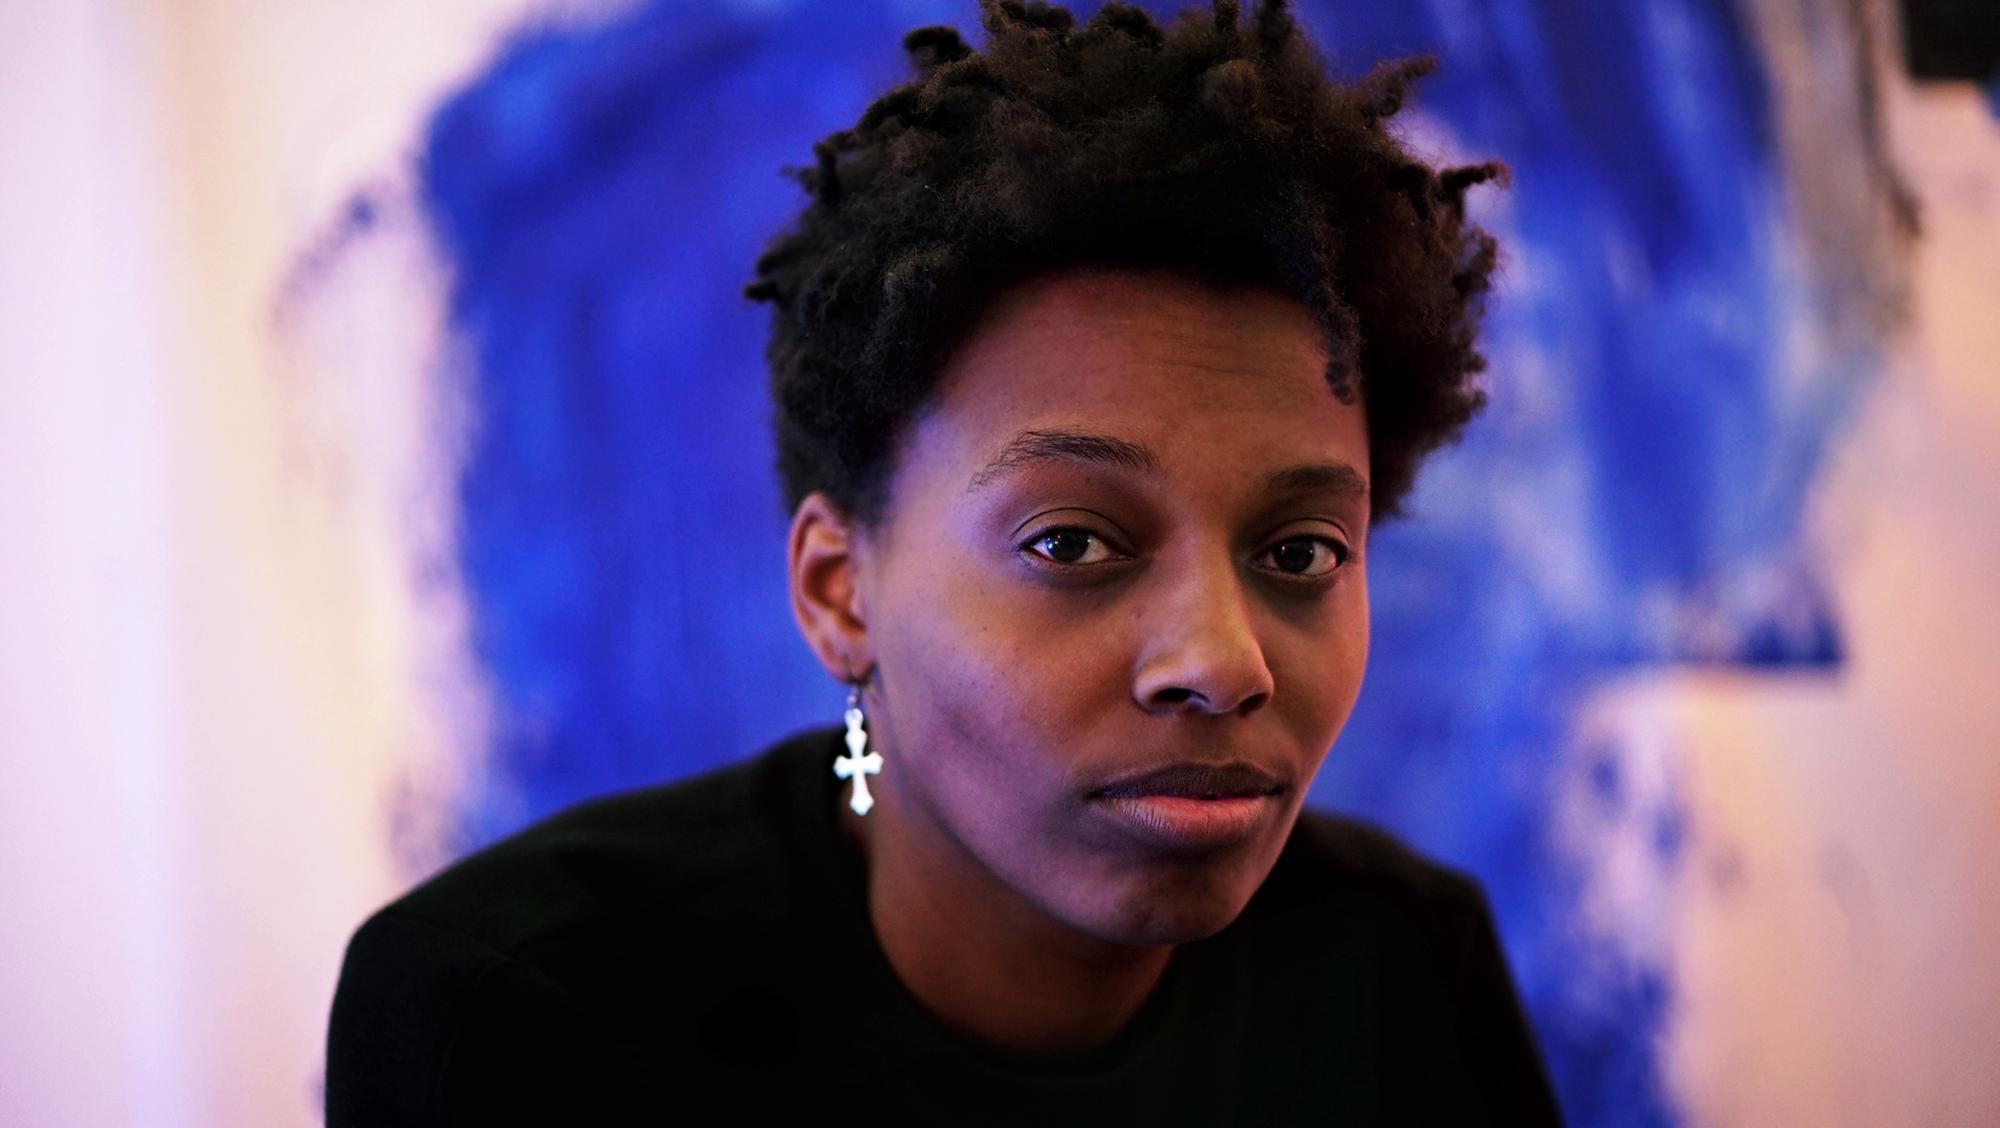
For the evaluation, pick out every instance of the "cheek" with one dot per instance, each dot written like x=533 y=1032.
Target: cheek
x=1347 y=660
x=995 y=697
x=1322 y=669
x=957 y=669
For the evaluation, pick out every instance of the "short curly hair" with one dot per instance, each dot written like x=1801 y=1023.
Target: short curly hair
x=1216 y=145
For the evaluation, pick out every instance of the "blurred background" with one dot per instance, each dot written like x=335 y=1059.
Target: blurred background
x=383 y=466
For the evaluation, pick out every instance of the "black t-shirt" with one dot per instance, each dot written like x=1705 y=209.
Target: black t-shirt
x=701 y=952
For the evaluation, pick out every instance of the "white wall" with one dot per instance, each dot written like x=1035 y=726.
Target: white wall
x=1835 y=933
x=207 y=648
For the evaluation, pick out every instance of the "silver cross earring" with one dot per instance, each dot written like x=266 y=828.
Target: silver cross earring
x=859 y=763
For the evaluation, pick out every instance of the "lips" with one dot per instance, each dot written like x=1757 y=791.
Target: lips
x=1188 y=780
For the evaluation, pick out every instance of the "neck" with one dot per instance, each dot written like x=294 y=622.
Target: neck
x=983 y=959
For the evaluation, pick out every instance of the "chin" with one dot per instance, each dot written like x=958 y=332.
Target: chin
x=1168 y=913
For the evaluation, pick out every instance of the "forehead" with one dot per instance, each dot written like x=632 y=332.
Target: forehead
x=1228 y=378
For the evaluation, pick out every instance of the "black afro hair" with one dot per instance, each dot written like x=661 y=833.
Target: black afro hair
x=1217 y=145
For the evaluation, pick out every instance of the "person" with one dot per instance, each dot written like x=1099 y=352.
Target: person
x=1096 y=355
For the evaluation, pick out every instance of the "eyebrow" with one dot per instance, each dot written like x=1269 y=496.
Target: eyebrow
x=1031 y=448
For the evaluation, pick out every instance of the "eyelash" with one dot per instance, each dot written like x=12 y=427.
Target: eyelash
x=1341 y=553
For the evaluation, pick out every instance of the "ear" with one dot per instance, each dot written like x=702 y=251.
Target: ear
x=823 y=560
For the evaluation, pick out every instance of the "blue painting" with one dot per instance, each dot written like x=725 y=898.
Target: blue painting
x=1631 y=498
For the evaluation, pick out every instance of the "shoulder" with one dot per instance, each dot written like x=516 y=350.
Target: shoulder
x=555 y=944
x=1405 y=947
x=612 y=857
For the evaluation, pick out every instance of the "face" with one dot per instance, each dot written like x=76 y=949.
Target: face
x=1117 y=604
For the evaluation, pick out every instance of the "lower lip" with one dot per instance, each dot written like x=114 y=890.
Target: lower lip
x=1182 y=823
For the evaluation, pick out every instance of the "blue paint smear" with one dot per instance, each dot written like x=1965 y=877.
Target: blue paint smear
x=1633 y=496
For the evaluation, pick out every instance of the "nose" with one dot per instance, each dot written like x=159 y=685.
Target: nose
x=1201 y=653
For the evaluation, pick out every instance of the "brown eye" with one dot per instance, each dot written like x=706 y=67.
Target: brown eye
x=1306 y=556
x=1069 y=546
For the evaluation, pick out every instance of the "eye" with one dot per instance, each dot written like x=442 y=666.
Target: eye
x=1070 y=546
x=1307 y=557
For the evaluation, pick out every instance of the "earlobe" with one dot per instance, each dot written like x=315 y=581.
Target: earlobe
x=823 y=564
